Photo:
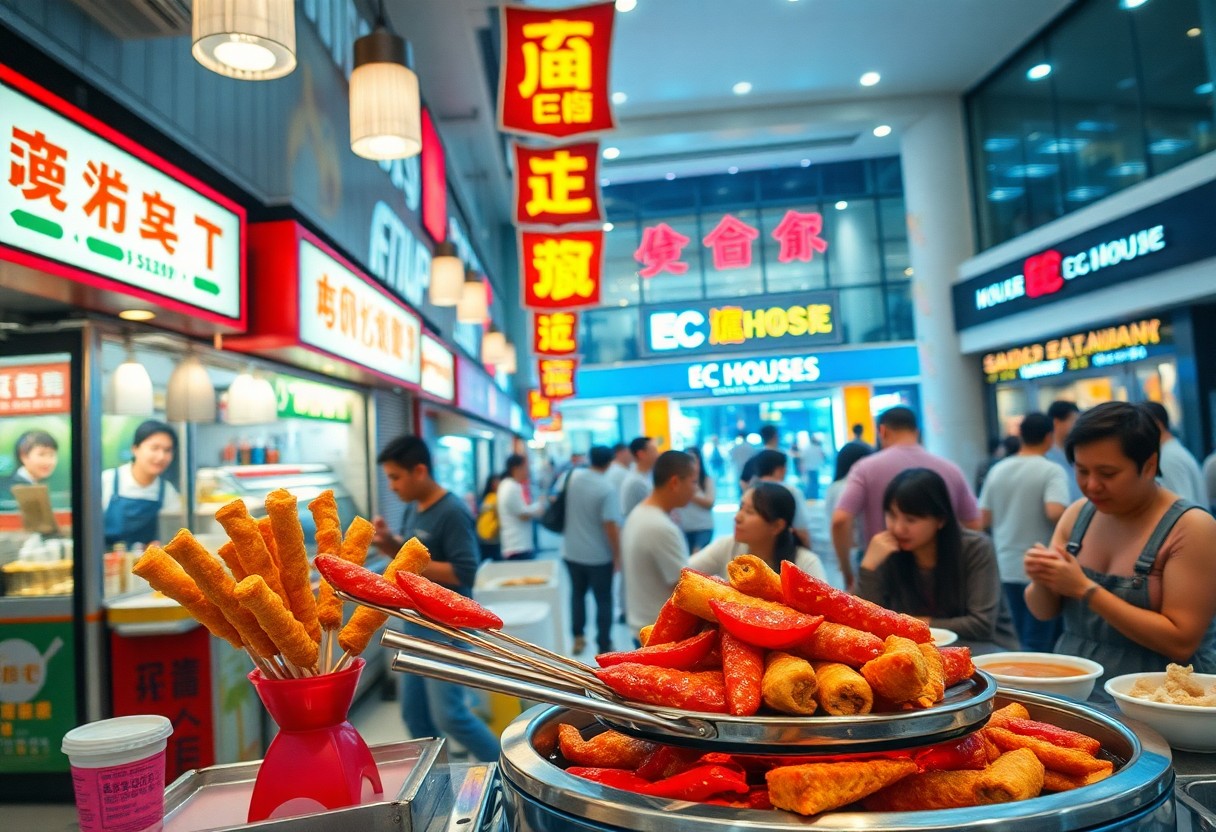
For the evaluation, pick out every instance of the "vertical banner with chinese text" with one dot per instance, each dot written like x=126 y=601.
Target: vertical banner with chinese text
x=561 y=271
x=558 y=186
x=555 y=333
x=557 y=377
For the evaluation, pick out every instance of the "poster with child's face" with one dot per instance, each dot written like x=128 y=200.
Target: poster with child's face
x=35 y=429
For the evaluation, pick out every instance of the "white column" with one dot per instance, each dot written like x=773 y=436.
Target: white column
x=940 y=237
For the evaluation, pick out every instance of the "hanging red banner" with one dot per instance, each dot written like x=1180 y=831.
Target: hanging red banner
x=561 y=271
x=538 y=406
x=557 y=377
x=555 y=333
x=554 y=74
x=557 y=185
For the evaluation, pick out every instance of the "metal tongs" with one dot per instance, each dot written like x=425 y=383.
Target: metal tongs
x=529 y=672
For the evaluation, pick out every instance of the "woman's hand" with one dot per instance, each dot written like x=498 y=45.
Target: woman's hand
x=1056 y=570
x=881 y=547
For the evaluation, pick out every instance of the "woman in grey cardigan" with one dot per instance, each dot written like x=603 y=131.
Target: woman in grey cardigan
x=925 y=564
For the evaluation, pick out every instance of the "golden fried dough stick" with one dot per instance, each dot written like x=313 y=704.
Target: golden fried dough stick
x=228 y=555
x=842 y=690
x=788 y=684
x=752 y=576
x=1016 y=775
x=694 y=591
x=354 y=637
x=899 y=673
x=250 y=547
x=1054 y=781
x=608 y=749
x=287 y=634
x=1014 y=710
x=358 y=540
x=218 y=586
x=1070 y=761
x=820 y=787
x=266 y=530
x=353 y=548
x=169 y=579
x=293 y=559
x=931 y=790
x=324 y=510
x=934 y=690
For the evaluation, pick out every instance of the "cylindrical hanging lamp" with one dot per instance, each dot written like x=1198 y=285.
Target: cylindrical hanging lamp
x=473 y=307
x=191 y=395
x=493 y=346
x=252 y=41
x=385 y=106
x=509 y=363
x=130 y=388
x=447 y=276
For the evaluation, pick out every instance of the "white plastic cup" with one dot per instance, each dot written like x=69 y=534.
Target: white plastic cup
x=118 y=772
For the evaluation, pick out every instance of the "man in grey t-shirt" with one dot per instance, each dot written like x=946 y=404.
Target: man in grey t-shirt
x=590 y=547
x=653 y=549
x=637 y=484
x=1023 y=497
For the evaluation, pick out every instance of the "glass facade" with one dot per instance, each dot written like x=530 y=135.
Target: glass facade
x=1110 y=94
x=866 y=260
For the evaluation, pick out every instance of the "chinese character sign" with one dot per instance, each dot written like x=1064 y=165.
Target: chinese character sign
x=554 y=77
x=731 y=243
x=37 y=695
x=660 y=251
x=557 y=185
x=557 y=377
x=555 y=333
x=34 y=390
x=538 y=406
x=561 y=271
x=70 y=195
x=799 y=236
x=345 y=315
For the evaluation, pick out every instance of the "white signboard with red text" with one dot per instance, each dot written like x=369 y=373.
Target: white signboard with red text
x=438 y=370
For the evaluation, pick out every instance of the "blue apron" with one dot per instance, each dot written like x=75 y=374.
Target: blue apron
x=129 y=520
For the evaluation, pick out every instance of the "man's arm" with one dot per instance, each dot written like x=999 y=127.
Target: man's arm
x=613 y=534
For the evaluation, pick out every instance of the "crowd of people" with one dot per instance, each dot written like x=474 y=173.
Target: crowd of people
x=1001 y=565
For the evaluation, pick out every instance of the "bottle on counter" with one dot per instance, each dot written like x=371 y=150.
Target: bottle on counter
x=228 y=455
x=258 y=455
x=244 y=452
x=115 y=562
x=272 y=451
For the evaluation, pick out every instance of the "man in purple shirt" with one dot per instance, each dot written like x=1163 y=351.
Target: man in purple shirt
x=862 y=496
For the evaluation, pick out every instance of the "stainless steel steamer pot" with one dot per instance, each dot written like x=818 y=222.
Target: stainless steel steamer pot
x=541 y=797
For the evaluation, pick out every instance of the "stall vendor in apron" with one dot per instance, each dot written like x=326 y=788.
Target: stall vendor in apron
x=134 y=495
x=1132 y=567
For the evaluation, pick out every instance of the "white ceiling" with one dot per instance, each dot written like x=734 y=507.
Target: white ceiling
x=677 y=60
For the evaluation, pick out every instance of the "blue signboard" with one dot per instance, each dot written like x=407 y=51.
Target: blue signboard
x=750 y=376
x=771 y=322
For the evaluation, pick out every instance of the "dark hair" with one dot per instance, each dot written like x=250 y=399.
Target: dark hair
x=513 y=462
x=768 y=461
x=600 y=456
x=1157 y=411
x=638 y=445
x=848 y=457
x=768 y=433
x=695 y=452
x=898 y=418
x=1061 y=409
x=923 y=493
x=1035 y=428
x=773 y=501
x=31 y=439
x=618 y=447
x=671 y=464
x=492 y=482
x=858 y=430
x=150 y=428
x=1138 y=434
x=408 y=451
x=1012 y=444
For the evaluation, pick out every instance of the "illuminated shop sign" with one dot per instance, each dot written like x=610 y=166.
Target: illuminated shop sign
x=1101 y=347
x=756 y=376
x=300 y=399
x=730 y=243
x=438 y=369
x=773 y=322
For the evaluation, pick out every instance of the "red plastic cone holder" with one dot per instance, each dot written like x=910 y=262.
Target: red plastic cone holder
x=318 y=754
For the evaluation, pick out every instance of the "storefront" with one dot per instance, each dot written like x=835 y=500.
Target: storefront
x=1113 y=302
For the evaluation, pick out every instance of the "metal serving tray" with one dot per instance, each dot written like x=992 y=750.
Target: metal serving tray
x=1196 y=803
x=423 y=793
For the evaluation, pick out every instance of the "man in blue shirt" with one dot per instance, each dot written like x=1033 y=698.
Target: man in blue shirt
x=444 y=525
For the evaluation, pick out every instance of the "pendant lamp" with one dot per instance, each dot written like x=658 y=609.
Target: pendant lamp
x=447 y=276
x=191 y=395
x=509 y=363
x=385 y=105
x=252 y=400
x=472 y=308
x=251 y=41
x=493 y=346
x=130 y=390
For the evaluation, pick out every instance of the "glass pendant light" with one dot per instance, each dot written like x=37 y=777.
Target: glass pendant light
x=493 y=346
x=251 y=41
x=447 y=276
x=473 y=308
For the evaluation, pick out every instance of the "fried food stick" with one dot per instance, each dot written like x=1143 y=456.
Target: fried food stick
x=788 y=684
x=354 y=548
x=1016 y=775
x=931 y=790
x=1054 y=781
x=169 y=579
x=899 y=674
x=284 y=630
x=324 y=511
x=293 y=559
x=1070 y=761
x=820 y=787
x=694 y=591
x=934 y=690
x=354 y=637
x=266 y=530
x=842 y=690
x=609 y=749
x=752 y=576
x=251 y=549
x=218 y=586
x=228 y=554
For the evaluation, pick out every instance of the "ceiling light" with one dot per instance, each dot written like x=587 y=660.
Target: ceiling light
x=882 y=131
x=869 y=79
x=608 y=226
x=447 y=276
x=328 y=367
x=1194 y=32
x=626 y=5
x=251 y=400
x=999 y=144
x=619 y=98
x=1085 y=193
x=137 y=314
x=1128 y=169
x=473 y=308
x=1005 y=194
x=742 y=88
x=806 y=163
x=249 y=41
x=669 y=176
x=385 y=107
x=1038 y=72
x=1204 y=88
x=610 y=152
x=130 y=388
x=908 y=272
x=732 y=170
x=841 y=205
x=493 y=346
x=191 y=395
x=1054 y=146
x=1131 y=4
x=1168 y=147
x=1031 y=171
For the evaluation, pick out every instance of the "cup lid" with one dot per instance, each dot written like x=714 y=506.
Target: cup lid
x=113 y=736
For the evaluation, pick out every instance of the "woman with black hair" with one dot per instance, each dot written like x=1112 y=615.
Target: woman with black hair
x=697 y=518
x=134 y=495
x=926 y=564
x=763 y=527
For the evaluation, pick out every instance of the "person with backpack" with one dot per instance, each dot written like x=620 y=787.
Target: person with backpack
x=515 y=512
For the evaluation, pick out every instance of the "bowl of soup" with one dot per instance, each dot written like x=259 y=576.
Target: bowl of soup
x=1051 y=673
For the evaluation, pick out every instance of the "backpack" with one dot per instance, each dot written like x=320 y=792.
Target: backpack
x=554 y=518
x=487 y=521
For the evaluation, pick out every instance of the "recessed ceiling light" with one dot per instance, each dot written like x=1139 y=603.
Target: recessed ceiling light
x=605 y=182
x=869 y=79
x=882 y=130
x=908 y=272
x=1194 y=32
x=1131 y=4
x=840 y=206
x=610 y=152
x=327 y=367
x=1038 y=72
x=806 y=163
x=1204 y=88
x=137 y=314
x=608 y=226
x=732 y=169
x=626 y=5
x=742 y=88
x=669 y=176
x=619 y=97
